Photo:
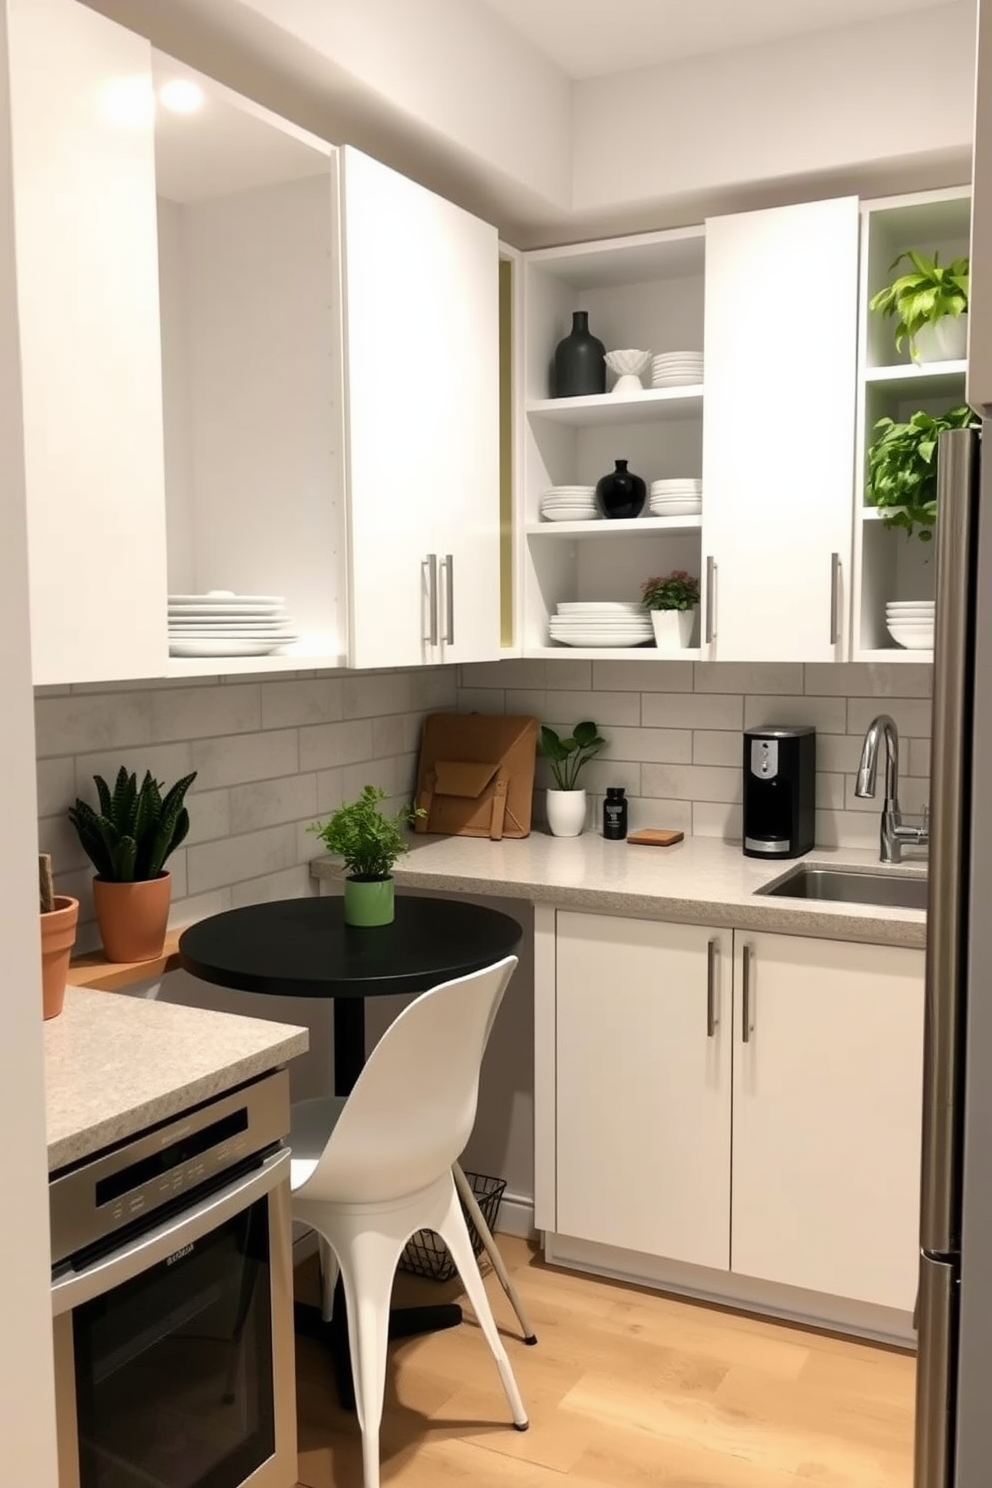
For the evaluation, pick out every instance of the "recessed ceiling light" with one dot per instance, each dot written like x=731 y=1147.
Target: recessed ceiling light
x=181 y=95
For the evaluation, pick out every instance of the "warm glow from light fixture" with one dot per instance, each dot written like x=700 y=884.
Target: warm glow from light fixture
x=129 y=102
x=181 y=95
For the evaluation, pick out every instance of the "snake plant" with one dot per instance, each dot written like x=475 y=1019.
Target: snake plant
x=135 y=829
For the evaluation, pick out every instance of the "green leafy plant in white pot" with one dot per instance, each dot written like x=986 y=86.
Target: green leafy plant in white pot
x=368 y=842
x=672 y=601
x=930 y=307
x=566 y=803
x=901 y=479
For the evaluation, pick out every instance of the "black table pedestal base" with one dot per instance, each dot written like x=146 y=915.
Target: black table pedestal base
x=404 y=1322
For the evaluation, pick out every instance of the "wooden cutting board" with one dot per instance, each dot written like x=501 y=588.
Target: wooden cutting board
x=655 y=837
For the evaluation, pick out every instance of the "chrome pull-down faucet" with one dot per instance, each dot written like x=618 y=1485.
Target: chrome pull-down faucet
x=894 y=835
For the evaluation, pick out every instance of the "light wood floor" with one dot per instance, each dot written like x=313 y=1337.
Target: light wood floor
x=625 y=1389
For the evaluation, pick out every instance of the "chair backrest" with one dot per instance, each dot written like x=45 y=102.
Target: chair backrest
x=413 y=1107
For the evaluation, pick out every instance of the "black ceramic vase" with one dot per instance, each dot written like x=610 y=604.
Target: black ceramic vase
x=620 y=494
x=580 y=365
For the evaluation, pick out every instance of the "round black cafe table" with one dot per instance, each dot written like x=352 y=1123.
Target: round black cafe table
x=303 y=948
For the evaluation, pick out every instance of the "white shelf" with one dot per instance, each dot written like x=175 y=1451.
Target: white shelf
x=604 y=408
x=906 y=380
x=896 y=654
x=223 y=666
x=601 y=527
x=614 y=653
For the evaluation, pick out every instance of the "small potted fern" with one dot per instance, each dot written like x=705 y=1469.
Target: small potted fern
x=369 y=843
x=128 y=841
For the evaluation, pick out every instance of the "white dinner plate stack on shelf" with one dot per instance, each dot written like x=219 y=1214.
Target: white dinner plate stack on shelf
x=677 y=369
x=601 y=624
x=569 y=504
x=910 y=623
x=222 y=623
x=676 y=498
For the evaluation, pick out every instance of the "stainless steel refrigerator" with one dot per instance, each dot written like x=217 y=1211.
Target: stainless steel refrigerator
x=954 y=1380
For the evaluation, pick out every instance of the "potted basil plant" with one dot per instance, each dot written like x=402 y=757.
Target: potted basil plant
x=930 y=306
x=369 y=843
x=901 y=478
x=567 y=757
x=672 y=601
x=128 y=841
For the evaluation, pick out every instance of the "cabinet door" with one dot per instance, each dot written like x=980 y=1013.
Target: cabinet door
x=82 y=113
x=643 y=1140
x=421 y=301
x=778 y=432
x=827 y=1114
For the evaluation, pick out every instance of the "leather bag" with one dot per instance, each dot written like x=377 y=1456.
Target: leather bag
x=476 y=775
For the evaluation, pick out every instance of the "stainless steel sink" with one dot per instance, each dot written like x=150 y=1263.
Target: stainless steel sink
x=846 y=887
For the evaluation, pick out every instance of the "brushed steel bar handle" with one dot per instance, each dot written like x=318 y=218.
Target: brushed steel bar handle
x=835 y=576
x=710 y=600
x=712 y=1018
x=430 y=564
x=747 y=1025
x=449 y=594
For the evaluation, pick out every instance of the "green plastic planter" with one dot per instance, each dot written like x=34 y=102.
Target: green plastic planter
x=369 y=902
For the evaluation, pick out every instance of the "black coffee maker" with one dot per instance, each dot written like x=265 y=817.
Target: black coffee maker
x=779 y=791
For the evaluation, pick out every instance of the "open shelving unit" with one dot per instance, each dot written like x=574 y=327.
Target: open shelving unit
x=888 y=564
x=250 y=369
x=644 y=291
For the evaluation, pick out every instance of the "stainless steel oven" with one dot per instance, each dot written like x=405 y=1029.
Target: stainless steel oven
x=172 y=1300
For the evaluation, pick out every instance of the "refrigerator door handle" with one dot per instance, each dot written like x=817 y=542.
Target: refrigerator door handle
x=937 y=1311
x=943 y=1073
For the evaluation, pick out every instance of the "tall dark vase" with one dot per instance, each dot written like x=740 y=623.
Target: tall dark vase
x=620 y=494
x=580 y=365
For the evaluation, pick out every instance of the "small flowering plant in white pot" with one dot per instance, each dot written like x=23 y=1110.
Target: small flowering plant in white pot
x=672 y=601
x=567 y=804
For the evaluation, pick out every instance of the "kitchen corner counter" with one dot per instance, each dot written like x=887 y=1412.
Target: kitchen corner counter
x=116 y=1064
x=699 y=881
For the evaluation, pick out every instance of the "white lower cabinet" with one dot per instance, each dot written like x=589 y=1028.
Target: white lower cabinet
x=644 y=1071
x=827 y=1116
x=763 y=1121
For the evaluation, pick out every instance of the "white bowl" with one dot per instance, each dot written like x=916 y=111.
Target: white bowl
x=912 y=637
x=624 y=362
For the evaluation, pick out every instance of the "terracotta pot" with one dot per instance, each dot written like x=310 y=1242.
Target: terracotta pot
x=58 y=936
x=133 y=917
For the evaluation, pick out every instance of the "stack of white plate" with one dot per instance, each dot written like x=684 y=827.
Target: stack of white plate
x=677 y=369
x=223 y=623
x=910 y=623
x=676 y=498
x=601 y=624
x=569 y=504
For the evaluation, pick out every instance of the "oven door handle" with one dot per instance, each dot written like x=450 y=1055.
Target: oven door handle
x=156 y=1245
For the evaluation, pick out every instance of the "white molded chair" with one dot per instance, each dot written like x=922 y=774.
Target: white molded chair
x=371 y=1170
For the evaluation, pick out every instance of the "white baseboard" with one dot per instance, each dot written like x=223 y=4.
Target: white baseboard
x=729 y=1289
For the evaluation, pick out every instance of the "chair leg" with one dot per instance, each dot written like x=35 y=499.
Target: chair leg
x=328 y=1278
x=454 y=1233
x=492 y=1250
x=368 y=1264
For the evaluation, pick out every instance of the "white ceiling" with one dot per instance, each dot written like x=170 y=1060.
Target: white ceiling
x=588 y=38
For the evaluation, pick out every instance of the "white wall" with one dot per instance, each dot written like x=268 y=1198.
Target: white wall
x=27 y=1404
x=866 y=96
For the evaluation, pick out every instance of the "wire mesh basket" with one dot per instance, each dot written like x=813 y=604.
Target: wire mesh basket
x=426 y=1253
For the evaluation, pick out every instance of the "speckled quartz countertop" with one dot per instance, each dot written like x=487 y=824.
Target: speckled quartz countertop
x=699 y=881
x=115 y=1064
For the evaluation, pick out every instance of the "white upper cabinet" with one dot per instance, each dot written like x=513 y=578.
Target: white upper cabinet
x=82 y=110
x=827 y=1115
x=421 y=289
x=779 y=430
